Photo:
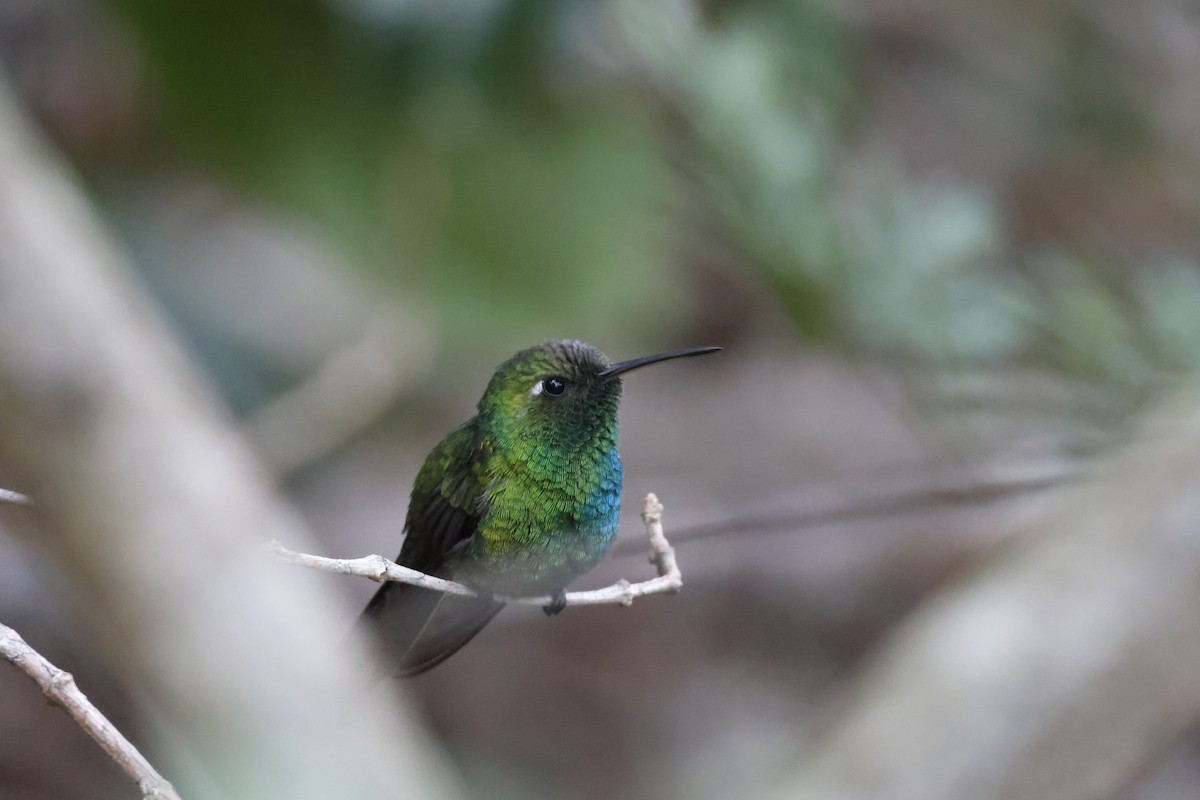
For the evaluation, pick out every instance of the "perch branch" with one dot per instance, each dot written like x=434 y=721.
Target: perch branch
x=378 y=568
x=59 y=687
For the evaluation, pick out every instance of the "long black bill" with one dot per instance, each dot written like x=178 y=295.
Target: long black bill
x=621 y=367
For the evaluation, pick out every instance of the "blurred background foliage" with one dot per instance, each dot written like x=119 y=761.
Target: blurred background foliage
x=965 y=188
x=987 y=209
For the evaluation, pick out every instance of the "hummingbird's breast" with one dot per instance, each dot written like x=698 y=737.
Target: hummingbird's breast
x=544 y=528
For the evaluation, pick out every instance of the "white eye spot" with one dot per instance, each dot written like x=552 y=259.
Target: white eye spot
x=537 y=389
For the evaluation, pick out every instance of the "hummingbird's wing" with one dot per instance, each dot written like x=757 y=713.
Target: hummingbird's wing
x=420 y=628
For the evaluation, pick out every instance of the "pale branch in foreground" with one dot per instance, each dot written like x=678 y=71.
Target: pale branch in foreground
x=378 y=568
x=59 y=687
x=124 y=465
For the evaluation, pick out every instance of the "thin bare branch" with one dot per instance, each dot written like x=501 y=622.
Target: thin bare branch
x=9 y=496
x=892 y=504
x=59 y=686
x=316 y=416
x=378 y=568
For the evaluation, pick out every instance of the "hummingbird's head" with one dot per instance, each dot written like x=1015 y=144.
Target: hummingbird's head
x=552 y=392
x=562 y=391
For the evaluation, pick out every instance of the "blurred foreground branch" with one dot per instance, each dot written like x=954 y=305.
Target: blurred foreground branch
x=378 y=568
x=153 y=507
x=1057 y=672
x=60 y=688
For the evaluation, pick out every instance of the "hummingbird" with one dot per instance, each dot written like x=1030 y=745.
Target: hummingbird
x=519 y=500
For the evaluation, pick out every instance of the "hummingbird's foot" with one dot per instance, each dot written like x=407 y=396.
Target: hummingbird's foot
x=557 y=604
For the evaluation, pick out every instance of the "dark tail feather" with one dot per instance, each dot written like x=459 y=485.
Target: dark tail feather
x=420 y=628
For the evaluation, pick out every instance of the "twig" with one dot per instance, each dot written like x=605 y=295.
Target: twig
x=59 y=687
x=904 y=502
x=378 y=568
x=316 y=416
x=9 y=496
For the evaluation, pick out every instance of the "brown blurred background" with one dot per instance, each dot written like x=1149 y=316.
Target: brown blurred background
x=950 y=248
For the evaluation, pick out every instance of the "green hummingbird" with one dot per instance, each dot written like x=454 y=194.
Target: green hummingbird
x=521 y=499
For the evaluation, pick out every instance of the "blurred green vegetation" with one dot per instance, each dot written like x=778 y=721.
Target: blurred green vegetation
x=961 y=192
x=435 y=151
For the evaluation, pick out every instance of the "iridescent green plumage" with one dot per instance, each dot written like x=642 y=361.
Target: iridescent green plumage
x=521 y=499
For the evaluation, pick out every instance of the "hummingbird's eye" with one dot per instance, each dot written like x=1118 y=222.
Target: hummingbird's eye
x=553 y=386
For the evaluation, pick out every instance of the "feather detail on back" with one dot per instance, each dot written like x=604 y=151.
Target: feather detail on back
x=419 y=628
